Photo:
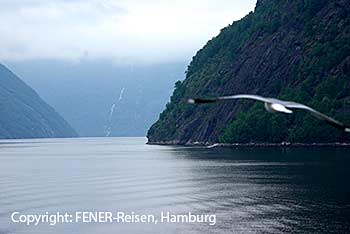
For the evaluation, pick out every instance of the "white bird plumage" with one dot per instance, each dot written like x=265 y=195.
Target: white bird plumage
x=275 y=105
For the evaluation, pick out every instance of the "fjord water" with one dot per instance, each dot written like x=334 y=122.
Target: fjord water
x=275 y=190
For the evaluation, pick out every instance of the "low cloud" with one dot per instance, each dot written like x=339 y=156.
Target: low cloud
x=123 y=30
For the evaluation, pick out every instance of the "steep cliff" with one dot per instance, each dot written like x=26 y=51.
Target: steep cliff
x=23 y=114
x=294 y=50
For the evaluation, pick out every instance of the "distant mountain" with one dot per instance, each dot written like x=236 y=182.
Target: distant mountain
x=294 y=50
x=100 y=97
x=23 y=114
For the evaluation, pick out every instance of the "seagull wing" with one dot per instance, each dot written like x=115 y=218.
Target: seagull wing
x=317 y=114
x=240 y=96
x=287 y=104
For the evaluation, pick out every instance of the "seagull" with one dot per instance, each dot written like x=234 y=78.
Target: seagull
x=273 y=105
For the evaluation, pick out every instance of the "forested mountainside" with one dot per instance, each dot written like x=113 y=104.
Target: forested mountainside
x=23 y=114
x=293 y=50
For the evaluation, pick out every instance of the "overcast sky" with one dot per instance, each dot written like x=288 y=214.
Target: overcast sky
x=123 y=30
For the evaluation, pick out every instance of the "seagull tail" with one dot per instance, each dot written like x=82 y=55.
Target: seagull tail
x=347 y=129
x=200 y=101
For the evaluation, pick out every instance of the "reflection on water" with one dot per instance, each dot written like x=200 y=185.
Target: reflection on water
x=250 y=190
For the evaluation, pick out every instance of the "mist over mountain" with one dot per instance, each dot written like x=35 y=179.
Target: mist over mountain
x=293 y=50
x=23 y=114
x=108 y=67
x=100 y=97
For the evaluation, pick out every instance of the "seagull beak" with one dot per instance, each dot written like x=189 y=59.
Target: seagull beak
x=280 y=108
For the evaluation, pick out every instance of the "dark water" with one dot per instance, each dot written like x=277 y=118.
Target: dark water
x=249 y=190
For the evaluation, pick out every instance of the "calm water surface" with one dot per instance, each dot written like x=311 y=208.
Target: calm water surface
x=250 y=190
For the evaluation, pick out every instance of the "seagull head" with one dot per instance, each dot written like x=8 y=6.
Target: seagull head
x=277 y=107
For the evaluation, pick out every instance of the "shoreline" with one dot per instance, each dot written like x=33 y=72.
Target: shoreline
x=251 y=145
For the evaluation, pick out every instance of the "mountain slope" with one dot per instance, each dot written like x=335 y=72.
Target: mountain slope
x=23 y=114
x=294 y=50
x=88 y=94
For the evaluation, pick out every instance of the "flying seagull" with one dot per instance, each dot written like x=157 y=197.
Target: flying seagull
x=275 y=105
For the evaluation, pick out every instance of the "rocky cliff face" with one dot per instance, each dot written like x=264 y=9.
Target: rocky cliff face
x=294 y=50
x=23 y=114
